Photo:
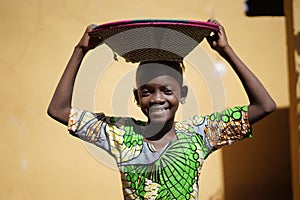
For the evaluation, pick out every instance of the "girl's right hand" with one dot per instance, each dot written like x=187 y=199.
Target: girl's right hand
x=87 y=43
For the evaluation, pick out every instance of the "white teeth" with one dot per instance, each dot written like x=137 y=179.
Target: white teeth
x=157 y=110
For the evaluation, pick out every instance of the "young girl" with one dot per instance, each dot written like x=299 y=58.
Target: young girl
x=161 y=158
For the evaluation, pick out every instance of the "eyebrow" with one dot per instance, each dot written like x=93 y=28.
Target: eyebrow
x=164 y=86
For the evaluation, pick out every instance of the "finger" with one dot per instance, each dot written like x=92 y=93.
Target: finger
x=220 y=27
x=91 y=27
x=221 y=30
x=213 y=21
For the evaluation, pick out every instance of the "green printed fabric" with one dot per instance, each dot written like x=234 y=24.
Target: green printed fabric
x=173 y=172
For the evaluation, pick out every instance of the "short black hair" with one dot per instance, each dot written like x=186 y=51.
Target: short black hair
x=178 y=66
x=171 y=68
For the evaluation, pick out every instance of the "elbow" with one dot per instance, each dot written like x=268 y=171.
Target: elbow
x=259 y=111
x=270 y=106
x=51 y=112
x=59 y=114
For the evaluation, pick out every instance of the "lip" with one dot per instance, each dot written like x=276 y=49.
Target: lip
x=156 y=113
x=157 y=109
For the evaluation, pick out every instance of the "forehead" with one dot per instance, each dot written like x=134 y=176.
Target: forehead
x=161 y=81
x=155 y=71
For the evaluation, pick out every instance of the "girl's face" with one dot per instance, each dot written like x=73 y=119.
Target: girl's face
x=159 y=98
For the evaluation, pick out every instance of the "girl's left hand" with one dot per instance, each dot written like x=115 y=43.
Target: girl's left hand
x=218 y=41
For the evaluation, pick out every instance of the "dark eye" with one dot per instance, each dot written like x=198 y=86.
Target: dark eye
x=145 y=91
x=168 y=91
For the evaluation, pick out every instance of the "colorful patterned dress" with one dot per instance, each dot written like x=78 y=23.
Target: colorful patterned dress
x=172 y=173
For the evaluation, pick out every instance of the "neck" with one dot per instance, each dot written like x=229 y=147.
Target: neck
x=155 y=131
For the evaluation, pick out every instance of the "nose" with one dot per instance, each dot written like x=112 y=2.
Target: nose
x=157 y=98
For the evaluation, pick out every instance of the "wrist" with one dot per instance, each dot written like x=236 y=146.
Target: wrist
x=225 y=50
x=80 y=50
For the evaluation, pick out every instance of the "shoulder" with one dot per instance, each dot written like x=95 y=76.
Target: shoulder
x=79 y=118
x=187 y=125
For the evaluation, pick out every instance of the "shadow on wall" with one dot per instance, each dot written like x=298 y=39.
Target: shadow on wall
x=260 y=168
x=217 y=196
x=297 y=47
x=297 y=42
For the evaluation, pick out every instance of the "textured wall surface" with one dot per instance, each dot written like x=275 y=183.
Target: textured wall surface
x=39 y=159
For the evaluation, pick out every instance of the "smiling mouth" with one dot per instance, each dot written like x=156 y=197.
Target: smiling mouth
x=157 y=109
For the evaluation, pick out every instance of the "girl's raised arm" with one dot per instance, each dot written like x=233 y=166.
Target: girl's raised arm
x=60 y=104
x=261 y=103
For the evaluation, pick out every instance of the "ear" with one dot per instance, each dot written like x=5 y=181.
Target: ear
x=136 y=96
x=184 y=91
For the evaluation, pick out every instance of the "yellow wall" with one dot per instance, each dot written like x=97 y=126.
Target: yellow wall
x=39 y=159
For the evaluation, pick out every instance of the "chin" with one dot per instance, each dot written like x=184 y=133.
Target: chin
x=157 y=119
x=161 y=120
x=158 y=122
